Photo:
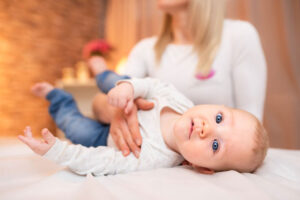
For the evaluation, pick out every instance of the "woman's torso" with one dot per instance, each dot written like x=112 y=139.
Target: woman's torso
x=178 y=67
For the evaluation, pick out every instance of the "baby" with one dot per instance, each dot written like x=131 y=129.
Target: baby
x=210 y=137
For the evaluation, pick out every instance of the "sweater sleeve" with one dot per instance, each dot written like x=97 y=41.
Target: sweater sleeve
x=137 y=63
x=102 y=160
x=249 y=71
x=149 y=88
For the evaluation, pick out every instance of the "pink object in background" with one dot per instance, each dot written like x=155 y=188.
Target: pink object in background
x=96 y=47
x=203 y=77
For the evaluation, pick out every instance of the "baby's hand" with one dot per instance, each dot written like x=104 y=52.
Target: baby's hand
x=122 y=96
x=38 y=146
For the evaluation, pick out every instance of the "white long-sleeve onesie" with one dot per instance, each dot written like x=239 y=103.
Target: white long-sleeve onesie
x=240 y=69
x=105 y=160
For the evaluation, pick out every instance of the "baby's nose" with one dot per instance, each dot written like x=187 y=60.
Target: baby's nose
x=202 y=128
x=206 y=130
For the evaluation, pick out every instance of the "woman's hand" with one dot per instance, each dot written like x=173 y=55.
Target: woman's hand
x=124 y=128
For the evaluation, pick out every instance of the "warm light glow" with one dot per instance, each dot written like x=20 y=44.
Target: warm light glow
x=120 y=69
x=82 y=72
x=68 y=75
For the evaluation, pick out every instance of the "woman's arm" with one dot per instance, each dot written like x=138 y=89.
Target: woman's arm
x=124 y=129
x=249 y=71
x=102 y=110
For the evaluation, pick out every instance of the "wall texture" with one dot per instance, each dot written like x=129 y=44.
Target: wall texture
x=38 y=39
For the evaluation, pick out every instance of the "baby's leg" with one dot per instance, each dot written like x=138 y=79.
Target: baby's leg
x=97 y=65
x=78 y=128
x=108 y=79
x=42 y=89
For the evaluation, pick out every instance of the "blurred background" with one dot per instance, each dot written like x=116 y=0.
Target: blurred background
x=39 y=40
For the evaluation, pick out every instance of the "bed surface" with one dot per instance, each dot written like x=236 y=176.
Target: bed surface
x=24 y=175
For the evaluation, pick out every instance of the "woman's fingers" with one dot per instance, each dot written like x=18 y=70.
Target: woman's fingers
x=122 y=144
x=119 y=140
x=134 y=128
x=116 y=132
x=129 y=140
x=121 y=135
x=143 y=104
x=128 y=107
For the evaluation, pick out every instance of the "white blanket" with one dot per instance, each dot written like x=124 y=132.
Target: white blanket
x=24 y=175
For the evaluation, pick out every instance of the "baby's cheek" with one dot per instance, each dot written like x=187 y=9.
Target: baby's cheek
x=191 y=153
x=178 y=127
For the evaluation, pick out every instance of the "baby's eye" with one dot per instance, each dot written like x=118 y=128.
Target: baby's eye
x=219 y=118
x=215 y=145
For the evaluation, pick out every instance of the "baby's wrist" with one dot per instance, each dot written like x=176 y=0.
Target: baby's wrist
x=126 y=83
x=48 y=149
x=50 y=152
x=129 y=87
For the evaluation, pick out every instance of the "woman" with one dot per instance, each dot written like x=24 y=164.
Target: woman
x=207 y=58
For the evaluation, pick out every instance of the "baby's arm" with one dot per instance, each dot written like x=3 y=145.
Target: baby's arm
x=126 y=91
x=123 y=95
x=81 y=160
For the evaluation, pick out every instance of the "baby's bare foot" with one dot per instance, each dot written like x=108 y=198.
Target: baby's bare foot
x=42 y=89
x=97 y=65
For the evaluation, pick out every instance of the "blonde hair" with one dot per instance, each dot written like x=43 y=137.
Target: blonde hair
x=260 y=148
x=205 y=25
x=261 y=144
x=258 y=151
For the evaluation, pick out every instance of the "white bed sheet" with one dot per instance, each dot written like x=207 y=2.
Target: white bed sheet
x=24 y=175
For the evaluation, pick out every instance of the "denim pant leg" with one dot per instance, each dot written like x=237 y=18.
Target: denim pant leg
x=78 y=128
x=107 y=80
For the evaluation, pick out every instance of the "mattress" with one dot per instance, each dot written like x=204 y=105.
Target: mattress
x=24 y=175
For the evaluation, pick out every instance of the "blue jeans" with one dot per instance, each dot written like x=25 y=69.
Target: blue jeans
x=107 y=80
x=78 y=128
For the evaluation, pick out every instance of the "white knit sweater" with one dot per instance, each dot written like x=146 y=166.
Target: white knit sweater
x=154 y=152
x=240 y=69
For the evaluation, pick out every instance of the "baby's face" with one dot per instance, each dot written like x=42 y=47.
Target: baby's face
x=215 y=137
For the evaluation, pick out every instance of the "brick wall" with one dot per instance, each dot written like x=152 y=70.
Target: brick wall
x=37 y=39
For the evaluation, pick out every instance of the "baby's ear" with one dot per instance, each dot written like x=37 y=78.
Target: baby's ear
x=203 y=170
x=185 y=162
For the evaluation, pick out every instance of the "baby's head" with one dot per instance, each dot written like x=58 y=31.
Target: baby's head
x=218 y=138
